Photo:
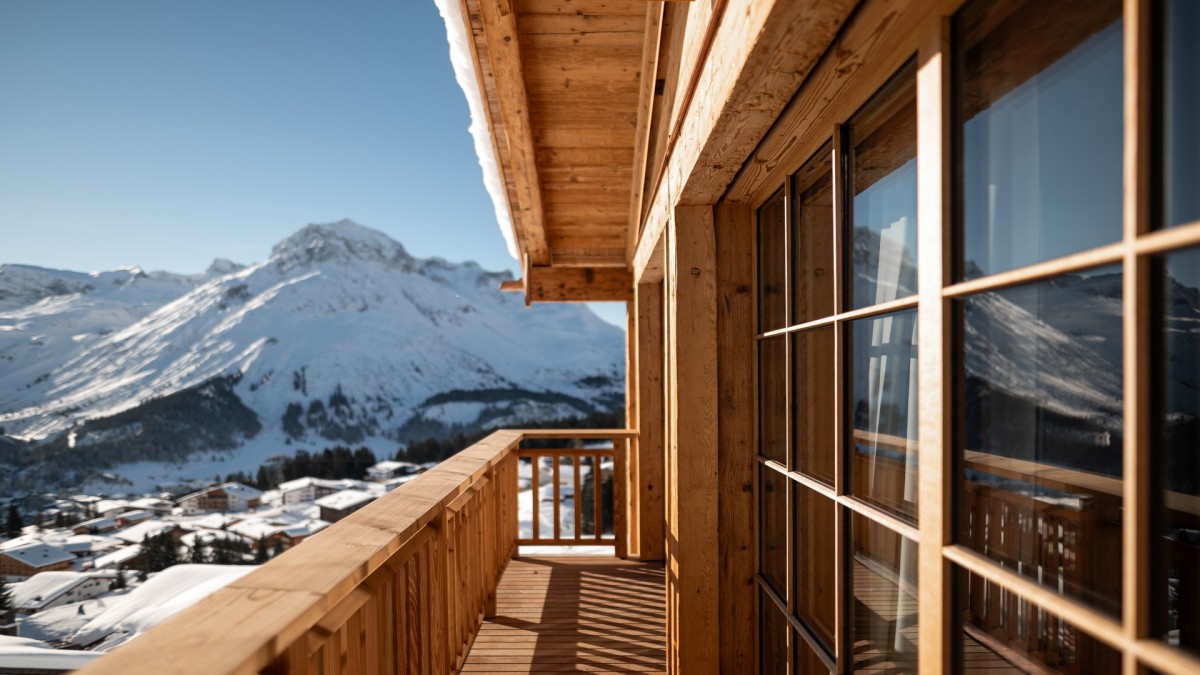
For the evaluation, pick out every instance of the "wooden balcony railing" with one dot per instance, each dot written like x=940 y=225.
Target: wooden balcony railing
x=400 y=586
x=594 y=496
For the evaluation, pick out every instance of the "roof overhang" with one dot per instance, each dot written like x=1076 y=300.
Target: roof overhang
x=566 y=106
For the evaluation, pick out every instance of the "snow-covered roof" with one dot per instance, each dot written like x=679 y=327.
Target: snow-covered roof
x=98 y=524
x=133 y=516
x=191 y=539
x=163 y=595
x=340 y=501
x=464 y=72
x=41 y=589
x=307 y=481
x=136 y=533
x=18 y=653
x=150 y=503
x=86 y=543
x=244 y=491
x=117 y=557
x=107 y=505
x=39 y=555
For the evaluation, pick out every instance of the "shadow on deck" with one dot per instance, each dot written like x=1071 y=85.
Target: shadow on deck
x=574 y=613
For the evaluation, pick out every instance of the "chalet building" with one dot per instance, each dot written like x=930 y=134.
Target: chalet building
x=391 y=469
x=96 y=526
x=912 y=305
x=309 y=489
x=225 y=497
x=31 y=559
x=337 y=506
x=53 y=589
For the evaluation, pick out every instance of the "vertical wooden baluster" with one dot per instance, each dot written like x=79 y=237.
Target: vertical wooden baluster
x=576 y=465
x=598 y=515
x=557 y=459
x=537 y=501
x=620 y=447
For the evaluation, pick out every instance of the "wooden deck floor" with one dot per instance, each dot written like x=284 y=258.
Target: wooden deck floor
x=559 y=614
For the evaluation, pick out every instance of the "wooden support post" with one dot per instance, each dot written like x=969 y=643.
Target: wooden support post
x=935 y=473
x=692 y=364
x=735 y=433
x=650 y=420
x=633 y=529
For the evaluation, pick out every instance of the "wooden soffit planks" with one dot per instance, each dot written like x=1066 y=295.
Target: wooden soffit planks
x=563 y=87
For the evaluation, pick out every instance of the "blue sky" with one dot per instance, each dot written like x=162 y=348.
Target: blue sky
x=166 y=134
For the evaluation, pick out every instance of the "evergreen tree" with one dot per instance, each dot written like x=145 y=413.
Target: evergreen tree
x=6 y=601
x=278 y=548
x=15 y=523
x=260 y=552
x=198 y=554
x=120 y=582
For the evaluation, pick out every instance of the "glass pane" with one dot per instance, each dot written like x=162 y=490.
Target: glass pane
x=812 y=239
x=813 y=418
x=1181 y=111
x=1002 y=633
x=772 y=635
x=807 y=660
x=812 y=555
x=883 y=408
x=772 y=398
x=884 y=586
x=772 y=528
x=1177 y=581
x=772 y=259
x=883 y=171
x=1040 y=105
x=1043 y=388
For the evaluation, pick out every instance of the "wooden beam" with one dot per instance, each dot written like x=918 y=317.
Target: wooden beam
x=760 y=56
x=653 y=33
x=694 y=643
x=650 y=413
x=500 y=30
x=735 y=434
x=578 y=284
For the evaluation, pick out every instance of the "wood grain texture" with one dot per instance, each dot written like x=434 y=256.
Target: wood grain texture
x=578 y=284
x=694 y=564
x=574 y=613
x=761 y=54
x=734 y=237
x=650 y=419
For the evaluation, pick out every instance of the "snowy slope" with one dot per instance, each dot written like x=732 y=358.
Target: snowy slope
x=360 y=339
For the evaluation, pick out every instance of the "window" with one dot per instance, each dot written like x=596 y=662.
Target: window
x=1059 y=300
x=832 y=382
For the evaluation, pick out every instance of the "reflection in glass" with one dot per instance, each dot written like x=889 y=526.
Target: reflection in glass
x=1042 y=387
x=1001 y=633
x=807 y=660
x=772 y=528
x=772 y=398
x=772 y=636
x=1040 y=109
x=884 y=586
x=772 y=260
x=812 y=239
x=1181 y=111
x=882 y=369
x=813 y=560
x=813 y=419
x=883 y=171
x=1177 y=554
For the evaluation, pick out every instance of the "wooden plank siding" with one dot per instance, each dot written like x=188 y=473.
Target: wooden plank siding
x=571 y=614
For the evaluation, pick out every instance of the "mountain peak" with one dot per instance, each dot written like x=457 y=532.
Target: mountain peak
x=345 y=239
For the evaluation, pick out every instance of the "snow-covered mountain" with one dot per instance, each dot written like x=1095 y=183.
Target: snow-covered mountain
x=340 y=336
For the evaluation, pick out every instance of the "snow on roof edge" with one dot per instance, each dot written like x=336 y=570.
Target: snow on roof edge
x=464 y=71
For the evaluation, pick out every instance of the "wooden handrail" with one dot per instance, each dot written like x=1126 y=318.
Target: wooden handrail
x=400 y=585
